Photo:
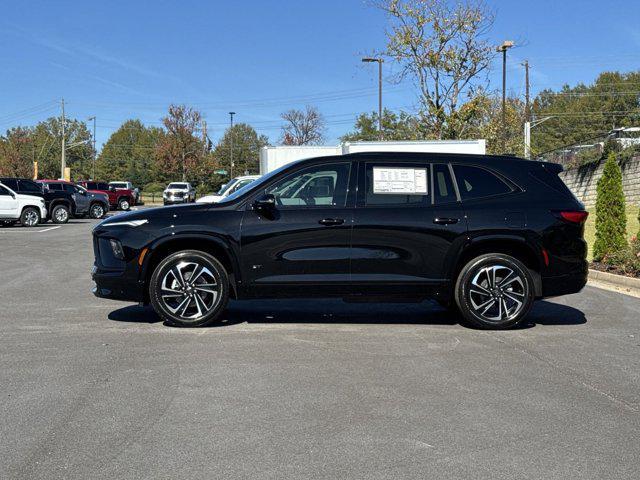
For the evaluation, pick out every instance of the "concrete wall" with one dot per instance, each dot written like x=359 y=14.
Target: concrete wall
x=583 y=181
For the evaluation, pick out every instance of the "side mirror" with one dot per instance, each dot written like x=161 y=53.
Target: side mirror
x=266 y=202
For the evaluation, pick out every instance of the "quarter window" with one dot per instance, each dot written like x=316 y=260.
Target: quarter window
x=476 y=182
x=317 y=186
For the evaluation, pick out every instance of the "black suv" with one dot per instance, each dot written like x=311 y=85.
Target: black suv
x=482 y=234
x=60 y=205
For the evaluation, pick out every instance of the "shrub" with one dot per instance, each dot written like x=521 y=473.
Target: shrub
x=154 y=187
x=611 y=221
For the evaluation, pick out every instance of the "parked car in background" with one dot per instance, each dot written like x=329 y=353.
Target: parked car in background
x=60 y=205
x=118 y=199
x=483 y=235
x=127 y=186
x=179 y=192
x=228 y=188
x=88 y=203
x=27 y=209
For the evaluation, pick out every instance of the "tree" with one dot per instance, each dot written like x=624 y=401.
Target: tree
x=400 y=126
x=17 y=153
x=129 y=153
x=303 y=127
x=180 y=149
x=246 y=149
x=440 y=45
x=611 y=220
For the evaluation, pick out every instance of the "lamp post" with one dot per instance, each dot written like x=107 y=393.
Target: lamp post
x=93 y=168
x=379 y=60
x=506 y=45
x=231 y=114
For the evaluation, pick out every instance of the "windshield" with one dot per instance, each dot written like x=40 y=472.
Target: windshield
x=177 y=185
x=257 y=184
x=227 y=186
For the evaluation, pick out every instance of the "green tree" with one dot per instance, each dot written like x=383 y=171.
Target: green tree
x=129 y=153
x=611 y=220
x=17 y=153
x=398 y=127
x=442 y=47
x=246 y=150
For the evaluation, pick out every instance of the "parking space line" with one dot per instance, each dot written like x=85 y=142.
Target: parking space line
x=48 y=229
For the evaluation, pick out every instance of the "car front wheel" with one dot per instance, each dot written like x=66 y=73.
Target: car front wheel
x=123 y=204
x=189 y=289
x=494 y=291
x=97 y=211
x=30 y=217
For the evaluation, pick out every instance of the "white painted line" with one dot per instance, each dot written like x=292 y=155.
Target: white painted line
x=48 y=229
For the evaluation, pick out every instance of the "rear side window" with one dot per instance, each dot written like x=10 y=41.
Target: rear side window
x=397 y=184
x=443 y=189
x=29 y=186
x=476 y=182
x=12 y=184
x=55 y=186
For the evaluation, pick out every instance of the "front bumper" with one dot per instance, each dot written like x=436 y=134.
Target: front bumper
x=173 y=201
x=114 y=285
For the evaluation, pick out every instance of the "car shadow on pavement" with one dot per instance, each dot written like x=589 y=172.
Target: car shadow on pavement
x=336 y=311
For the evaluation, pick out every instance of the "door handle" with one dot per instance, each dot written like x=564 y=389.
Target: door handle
x=331 y=221
x=445 y=221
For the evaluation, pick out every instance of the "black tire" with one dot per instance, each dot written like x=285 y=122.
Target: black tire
x=97 y=210
x=167 y=278
x=496 y=303
x=60 y=214
x=30 y=217
x=123 y=204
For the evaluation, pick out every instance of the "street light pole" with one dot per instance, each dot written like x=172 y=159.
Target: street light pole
x=506 y=45
x=379 y=60
x=231 y=114
x=63 y=159
x=93 y=169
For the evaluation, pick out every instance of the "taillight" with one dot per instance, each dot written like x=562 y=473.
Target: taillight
x=573 y=216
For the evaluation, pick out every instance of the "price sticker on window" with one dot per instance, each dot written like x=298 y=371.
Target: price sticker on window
x=405 y=181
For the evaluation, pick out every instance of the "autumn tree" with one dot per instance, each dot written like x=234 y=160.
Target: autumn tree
x=303 y=127
x=17 y=153
x=442 y=47
x=395 y=126
x=180 y=149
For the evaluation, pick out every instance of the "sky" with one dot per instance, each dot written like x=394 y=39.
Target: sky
x=130 y=59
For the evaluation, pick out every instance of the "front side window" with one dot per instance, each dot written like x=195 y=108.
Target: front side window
x=317 y=186
x=68 y=188
x=397 y=184
x=91 y=186
x=476 y=182
x=55 y=186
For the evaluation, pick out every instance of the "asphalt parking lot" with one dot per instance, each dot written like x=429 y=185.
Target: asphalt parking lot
x=93 y=388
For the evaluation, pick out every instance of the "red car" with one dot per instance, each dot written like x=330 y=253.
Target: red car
x=120 y=199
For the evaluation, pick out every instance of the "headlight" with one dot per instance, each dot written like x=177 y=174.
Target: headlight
x=130 y=223
x=116 y=247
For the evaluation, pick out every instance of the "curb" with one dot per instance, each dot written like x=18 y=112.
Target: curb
x=614 y=280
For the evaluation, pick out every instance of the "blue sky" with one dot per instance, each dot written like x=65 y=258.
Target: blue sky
x=130 y=59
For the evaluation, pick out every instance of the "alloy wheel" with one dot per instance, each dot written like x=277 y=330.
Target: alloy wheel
x=31 y=218
x=62 y=215
x=97 y=211
x=189 y=290
x=497 y=293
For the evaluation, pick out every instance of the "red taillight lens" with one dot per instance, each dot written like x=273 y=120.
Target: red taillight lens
x=578 y=216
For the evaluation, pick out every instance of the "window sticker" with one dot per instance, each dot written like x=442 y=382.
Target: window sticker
x=408 y=181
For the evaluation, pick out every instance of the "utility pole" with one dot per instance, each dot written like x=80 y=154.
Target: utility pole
x=204 y=137
x=63 y=160
x=506 y=45
x=231 y=114
x=93 y=168
x=379 y=60
x=527 y=105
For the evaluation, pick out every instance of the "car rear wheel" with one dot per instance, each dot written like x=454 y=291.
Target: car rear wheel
x=189 y=289
x=60 y=214
x=30 y=217
x=97 y=211
x=123 y=204
x=494 y=291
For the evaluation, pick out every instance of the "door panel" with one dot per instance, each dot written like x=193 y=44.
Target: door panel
x=400 y=245
x=8 y=204
x=304 y=239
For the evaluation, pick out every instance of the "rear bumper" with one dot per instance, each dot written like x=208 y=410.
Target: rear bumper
x=565 y=284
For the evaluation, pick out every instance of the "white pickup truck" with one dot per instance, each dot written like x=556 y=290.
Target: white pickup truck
x=28 y=209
